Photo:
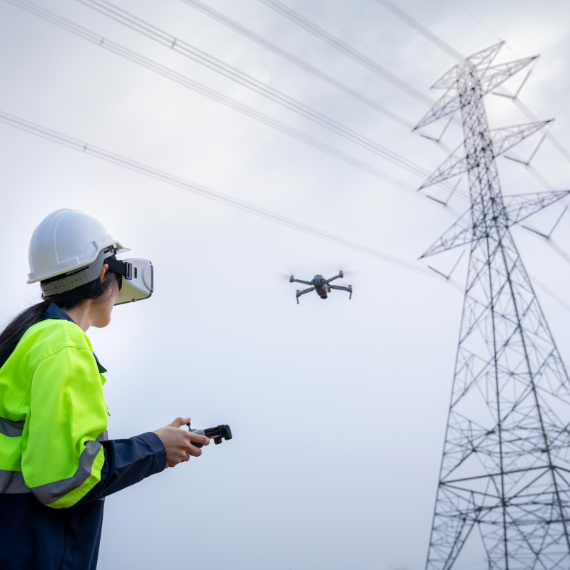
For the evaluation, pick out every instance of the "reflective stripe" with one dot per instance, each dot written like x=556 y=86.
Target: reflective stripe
x=52 y=492
x=10 y=428
x=103 y=436
x=12 y=482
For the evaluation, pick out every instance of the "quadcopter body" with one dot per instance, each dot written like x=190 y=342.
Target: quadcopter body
x=321 y=285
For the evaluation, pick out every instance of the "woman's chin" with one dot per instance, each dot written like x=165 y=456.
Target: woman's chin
x=101 y=324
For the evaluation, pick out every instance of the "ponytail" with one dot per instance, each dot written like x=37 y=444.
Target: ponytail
x=12 y=334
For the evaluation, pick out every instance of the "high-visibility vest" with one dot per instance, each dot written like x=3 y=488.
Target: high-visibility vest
x=53 y=415
x=54 y=450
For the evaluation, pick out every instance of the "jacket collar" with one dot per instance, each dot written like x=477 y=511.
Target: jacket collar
x=54 y=312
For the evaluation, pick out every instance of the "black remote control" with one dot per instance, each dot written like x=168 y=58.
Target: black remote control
x=218 y=434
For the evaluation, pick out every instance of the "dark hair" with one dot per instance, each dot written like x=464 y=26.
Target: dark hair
x=16 y=329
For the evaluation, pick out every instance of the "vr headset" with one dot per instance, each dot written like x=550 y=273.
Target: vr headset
x=136 y=279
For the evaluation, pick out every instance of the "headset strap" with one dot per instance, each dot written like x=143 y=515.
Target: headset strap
x=123 y=268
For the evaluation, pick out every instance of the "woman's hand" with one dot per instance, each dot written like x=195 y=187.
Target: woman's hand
x=178 y=443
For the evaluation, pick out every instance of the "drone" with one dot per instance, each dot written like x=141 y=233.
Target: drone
x=321 y=285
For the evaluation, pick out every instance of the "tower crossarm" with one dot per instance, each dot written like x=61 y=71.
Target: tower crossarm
x=507 y=137
x=448 y=104
x=453 y=166
x=480 y=59
x=521 y=206
x=460 y=233
x=518 y=207
x=484 y=58
x=489 y=77
x=496 y=75
x=501 y=139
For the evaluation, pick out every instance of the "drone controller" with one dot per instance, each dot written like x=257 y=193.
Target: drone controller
x=218 y=434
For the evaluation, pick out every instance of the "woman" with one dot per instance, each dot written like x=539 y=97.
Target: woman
x=56 y=463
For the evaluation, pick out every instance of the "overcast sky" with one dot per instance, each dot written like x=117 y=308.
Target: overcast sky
x=338 y=408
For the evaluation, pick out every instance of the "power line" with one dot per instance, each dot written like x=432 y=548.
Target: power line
x=421 y=29
x=549 y=135
x=482 y=24
x=329 y=38
x=187 y=50
x=124 y=162
x=549 y=292
x=436 y=40
x=451 y=51
x=240 y=29
x=479 y=21
x=349 y=51
x=185 y=81
x=132 y=165
x=443 y=45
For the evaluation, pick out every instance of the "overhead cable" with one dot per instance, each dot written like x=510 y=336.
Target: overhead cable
x=549 y=292
x=451 y=51
x=108 y=156
x=129 y=164
x=240 y=29
x=554 y=141
x=549 y=93
x=421 y=29
x=437 y=41
x=186 y=49
x=141 y=168
x=347 y=50
x=204 y=90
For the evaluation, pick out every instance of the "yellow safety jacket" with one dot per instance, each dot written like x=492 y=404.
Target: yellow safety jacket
x=54 y=450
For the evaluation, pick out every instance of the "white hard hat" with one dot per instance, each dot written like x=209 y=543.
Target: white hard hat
x=64 y=241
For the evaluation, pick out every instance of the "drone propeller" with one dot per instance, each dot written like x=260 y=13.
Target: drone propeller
x=281 y=276
x=299 y=271
x=347 y=269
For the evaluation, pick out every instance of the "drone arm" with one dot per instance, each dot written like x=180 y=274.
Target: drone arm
x=300 y=281
x=349 y=289
x=299 y=293
x=340 y=288
x=339 y=276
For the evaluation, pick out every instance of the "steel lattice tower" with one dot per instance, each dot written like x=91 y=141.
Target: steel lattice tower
x=506 y=458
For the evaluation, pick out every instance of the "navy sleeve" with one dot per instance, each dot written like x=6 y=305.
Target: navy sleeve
x=127 y=461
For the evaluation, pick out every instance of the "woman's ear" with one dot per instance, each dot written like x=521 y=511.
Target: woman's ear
x=104 y=270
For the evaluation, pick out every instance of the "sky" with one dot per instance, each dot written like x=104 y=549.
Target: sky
x=338 y=408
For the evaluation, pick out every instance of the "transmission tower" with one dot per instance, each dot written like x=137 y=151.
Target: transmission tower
x=506 y=458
